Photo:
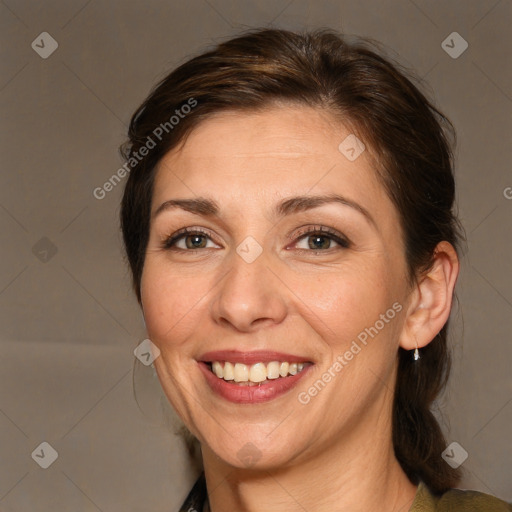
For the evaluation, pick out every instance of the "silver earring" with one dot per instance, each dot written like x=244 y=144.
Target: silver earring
x=416 y=352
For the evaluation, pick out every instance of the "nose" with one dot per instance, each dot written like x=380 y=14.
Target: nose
x=250 y=296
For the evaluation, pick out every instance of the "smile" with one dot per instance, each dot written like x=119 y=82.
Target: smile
x=252 y=377
x=255 y=374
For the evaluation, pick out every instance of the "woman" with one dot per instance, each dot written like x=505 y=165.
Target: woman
x=288 y=222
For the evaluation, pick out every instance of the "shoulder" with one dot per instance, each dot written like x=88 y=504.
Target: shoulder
x=471 y=501
x=455 y=500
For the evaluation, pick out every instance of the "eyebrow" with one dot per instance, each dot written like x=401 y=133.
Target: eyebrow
x=209 y=208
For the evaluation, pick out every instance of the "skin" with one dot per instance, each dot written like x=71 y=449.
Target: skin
x=335 y=452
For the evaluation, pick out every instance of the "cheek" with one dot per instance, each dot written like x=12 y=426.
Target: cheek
x=171 y=302
x=347 y=301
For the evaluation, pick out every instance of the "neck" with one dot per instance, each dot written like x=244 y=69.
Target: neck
x=358 y=473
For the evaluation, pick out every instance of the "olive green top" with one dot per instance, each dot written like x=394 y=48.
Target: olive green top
x=454 y=500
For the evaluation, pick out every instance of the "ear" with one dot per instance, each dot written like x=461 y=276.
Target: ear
x=431 y=299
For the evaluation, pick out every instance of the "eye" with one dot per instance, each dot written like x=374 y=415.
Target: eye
x=189 y=239
x=320 y=238
x=316 y=238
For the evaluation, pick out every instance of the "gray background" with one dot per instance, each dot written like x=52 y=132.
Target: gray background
x=69 y=323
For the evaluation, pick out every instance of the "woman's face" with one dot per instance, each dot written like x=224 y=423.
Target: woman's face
x=271 y=272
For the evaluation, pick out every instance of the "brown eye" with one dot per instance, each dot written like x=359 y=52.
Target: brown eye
x=195 y=241
x=321 y=240
x=189 y=240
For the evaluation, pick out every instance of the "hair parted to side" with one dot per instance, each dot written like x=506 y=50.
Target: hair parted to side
x=406 y=135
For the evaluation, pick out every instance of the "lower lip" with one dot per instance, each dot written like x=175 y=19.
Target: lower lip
x=251 y=394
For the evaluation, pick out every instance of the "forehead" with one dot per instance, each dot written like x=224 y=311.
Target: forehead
x=282 y=151
x=286 y=132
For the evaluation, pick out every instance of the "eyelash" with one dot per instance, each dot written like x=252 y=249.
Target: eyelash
x=323 y=231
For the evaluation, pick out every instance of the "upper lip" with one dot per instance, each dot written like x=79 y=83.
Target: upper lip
x=256 y=356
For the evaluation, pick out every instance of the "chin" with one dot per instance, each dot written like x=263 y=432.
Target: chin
x=254 y=450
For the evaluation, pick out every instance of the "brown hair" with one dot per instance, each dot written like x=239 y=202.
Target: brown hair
x=405 y=133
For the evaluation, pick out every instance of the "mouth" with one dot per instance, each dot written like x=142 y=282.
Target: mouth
x=252 y=377
x=255 y=374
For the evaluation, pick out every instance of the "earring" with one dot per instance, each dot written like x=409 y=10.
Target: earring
x=416 y=352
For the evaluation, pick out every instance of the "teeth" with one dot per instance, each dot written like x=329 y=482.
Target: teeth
x=229 y=371
x=273 y=370
x=241 y=372
x=217 y=369
x=258 y=372
x=255 y=373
